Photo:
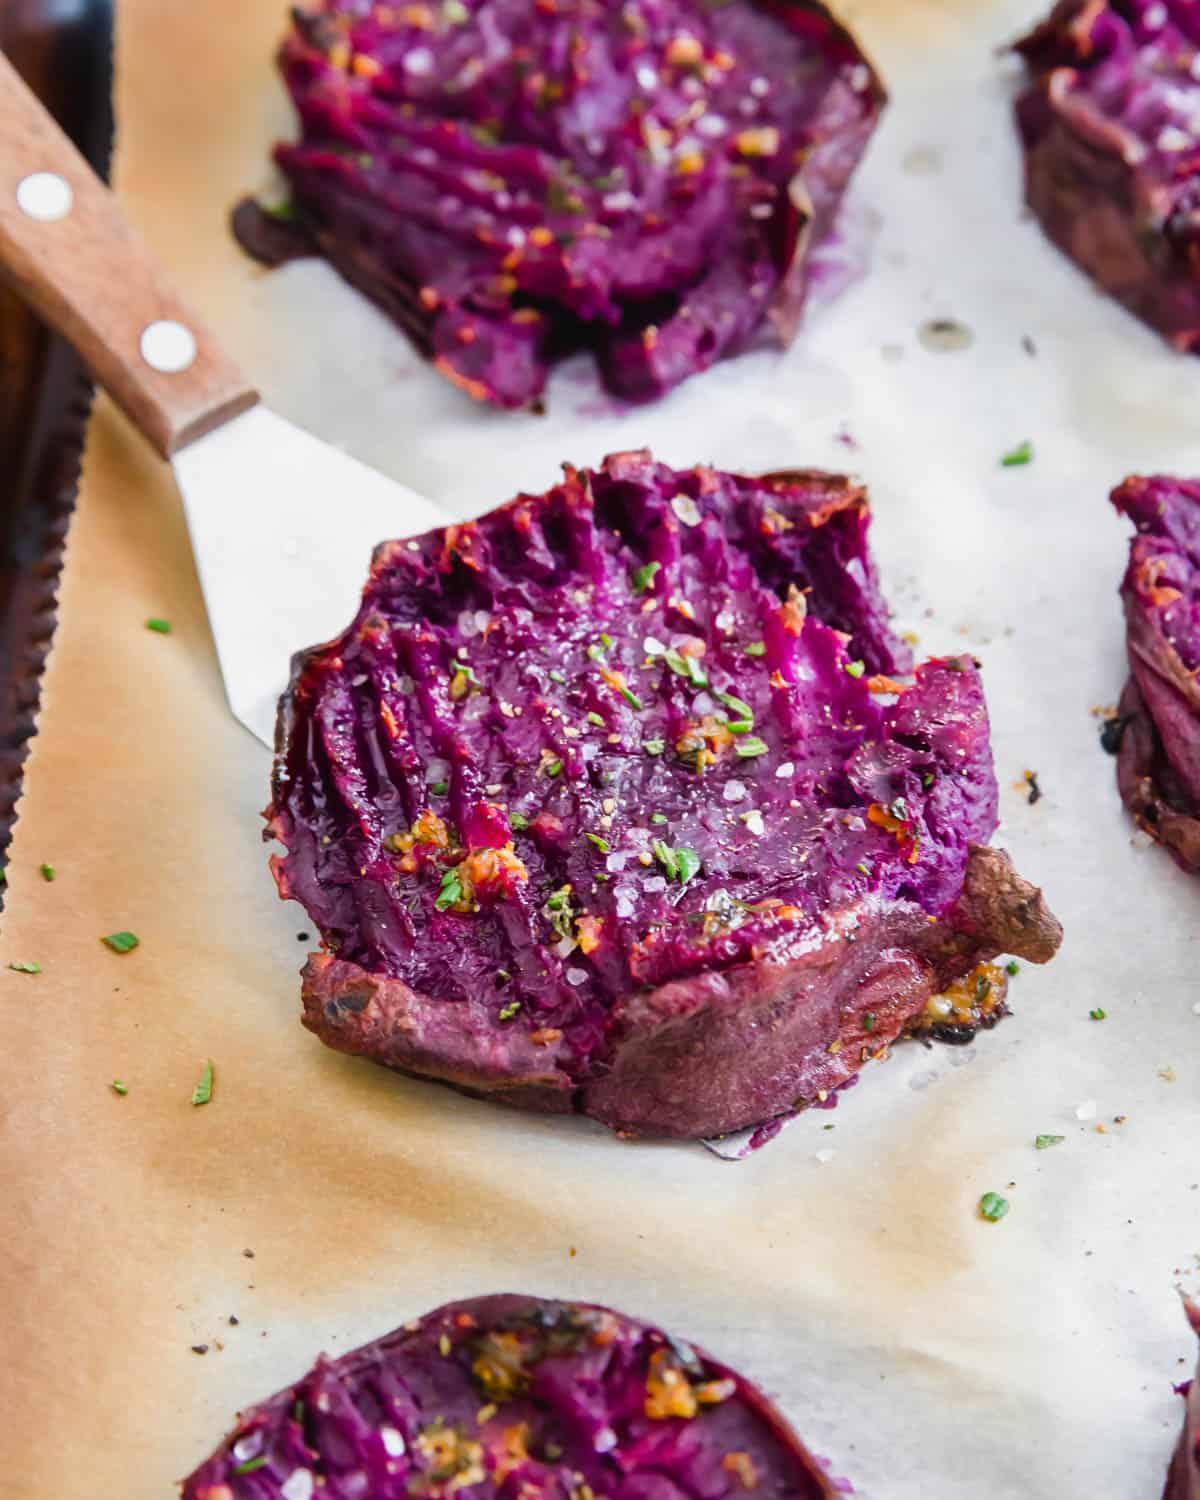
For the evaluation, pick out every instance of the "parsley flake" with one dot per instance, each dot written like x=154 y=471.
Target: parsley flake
x=750 y=746
x=641 y=578
x=855 y=668
x=48 y=872
x=450 y=892
x=630 y=696
x=993 y=1207
x=518 y=822
x=23 y=968
x=654 y=747
x=1098 y=1014
x=556 y=676
x=120 y=942
x=595 y=651
x=160 y=627
x=202 y=1093
x=1044 y=1142
x=507 y=1012
x=756 y=648
x=869 y=1021
x=118 y=1087
x=680 y=864
x=595 y=718
x=439 y=788
x=658 y=817
x=554 y=767
x=600 y=842
x=251 y=1464
x=1018 y=456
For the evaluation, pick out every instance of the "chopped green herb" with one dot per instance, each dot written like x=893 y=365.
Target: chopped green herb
x=696 y=673
x=507 y=1012
x=855 y=668
x=862 y=868
x=160 y=627
x=450 y=892
x=658 y=817
x=518 y=821
x=1012 y=968
x=666 y=857
x=738 y=706
x=556 y=676
x=460 y=668
x=756 y=648
x=992 y=1207
x=20 y=968
x=676 y=662
x=751 y=745
x=600 y=842
x=927 y=779
x=606 y=640
x=630 y=696
x=680 y=864
x=48 y=872
x=1044 y=1142
x=121 y=942
x=641 y=578
x=251 y=1464
x=654 y=747
x=1015 y=457
x=595 y=718
x=202 y=1093
x=284 y=212
x=558 y=910
x=118 y=1087
x=503 y=974
x=554 y=767
x=595 y=651
x=1099 y=1014
x=439 y=788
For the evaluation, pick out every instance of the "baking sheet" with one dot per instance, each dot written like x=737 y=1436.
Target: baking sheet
x=928 y=1353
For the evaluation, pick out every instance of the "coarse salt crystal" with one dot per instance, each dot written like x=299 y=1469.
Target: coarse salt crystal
x=576 y=976
x=754 y=822
x=605 y=1440
x=785 y=770
x=734 y=791
x=1086 y=1110
x=824 y=1155
x=647 y=77
x=616 y=862
x=687 y=510
x=393 y=1441
x=419 y=61
x=724 y=621
x=298 y=1485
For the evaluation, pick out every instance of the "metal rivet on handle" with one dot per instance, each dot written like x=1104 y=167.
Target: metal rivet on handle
x=167 y=346
x=45 y=196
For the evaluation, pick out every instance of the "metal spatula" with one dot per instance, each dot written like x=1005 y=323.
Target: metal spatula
x=282 y=524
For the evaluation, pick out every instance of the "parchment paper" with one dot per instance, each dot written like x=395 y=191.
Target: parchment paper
x=927 y=1352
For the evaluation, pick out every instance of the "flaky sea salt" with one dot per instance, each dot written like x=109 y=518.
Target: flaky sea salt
x=1086 y=1110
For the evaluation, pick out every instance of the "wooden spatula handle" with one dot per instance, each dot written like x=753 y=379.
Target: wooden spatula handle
x=67 y=248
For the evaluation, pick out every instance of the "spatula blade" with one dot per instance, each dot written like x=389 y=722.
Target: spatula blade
x=283 y=527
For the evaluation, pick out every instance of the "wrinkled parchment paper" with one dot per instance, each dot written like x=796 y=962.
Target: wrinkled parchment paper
x=928 y=1353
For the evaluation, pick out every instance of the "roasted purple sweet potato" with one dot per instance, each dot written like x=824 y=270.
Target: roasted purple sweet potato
x=1110 y=124
x=513 y=181
x=605 y=803
x=1158 y=759
x=508 y=1396
x=1183 y=1481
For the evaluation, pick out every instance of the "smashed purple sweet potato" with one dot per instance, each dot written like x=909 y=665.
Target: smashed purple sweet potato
x=1183 y=1481
x=606 y=802
x=515 y=181
x=1158 y=759
x=509 y=1396
x=1110 y=124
